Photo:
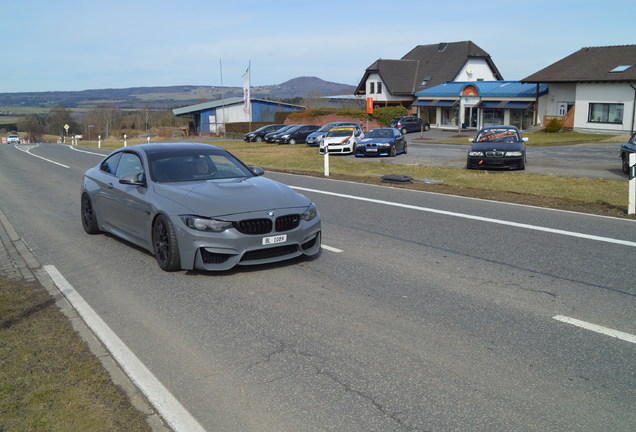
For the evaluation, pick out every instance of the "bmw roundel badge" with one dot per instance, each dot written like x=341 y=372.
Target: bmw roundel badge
x=270 y=213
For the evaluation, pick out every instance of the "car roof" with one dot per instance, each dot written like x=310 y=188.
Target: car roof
x=162 y=147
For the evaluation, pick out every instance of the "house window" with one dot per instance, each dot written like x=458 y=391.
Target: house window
x=371 y=88
x=379 y=87
x=605 y=113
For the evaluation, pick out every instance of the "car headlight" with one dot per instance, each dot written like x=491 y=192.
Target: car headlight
x=205 y=224
x=284 y=136
x=476 y=154
x=310 y=213
x=385 y=145
x=513 y=153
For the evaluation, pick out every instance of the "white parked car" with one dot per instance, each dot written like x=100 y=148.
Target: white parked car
x=341 y=140
x=13 y=139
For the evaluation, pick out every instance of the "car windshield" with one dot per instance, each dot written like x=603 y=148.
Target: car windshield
x=498 y=135
x=340 y=132
x=326 y=127
x=379 y=133
x=183 y=166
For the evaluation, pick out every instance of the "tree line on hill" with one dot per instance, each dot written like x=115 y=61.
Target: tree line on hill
x=101 y=120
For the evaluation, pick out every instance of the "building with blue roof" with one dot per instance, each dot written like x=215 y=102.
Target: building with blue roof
x=211 y=117
x=476 y=104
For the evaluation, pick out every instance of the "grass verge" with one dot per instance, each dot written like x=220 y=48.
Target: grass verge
x=49 y=379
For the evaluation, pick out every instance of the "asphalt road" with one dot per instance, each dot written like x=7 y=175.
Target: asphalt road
x=426 y=313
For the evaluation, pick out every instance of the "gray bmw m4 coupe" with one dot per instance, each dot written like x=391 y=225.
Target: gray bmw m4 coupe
x=196 y=206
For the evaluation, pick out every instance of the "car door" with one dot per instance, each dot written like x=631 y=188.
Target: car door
x=129 y=209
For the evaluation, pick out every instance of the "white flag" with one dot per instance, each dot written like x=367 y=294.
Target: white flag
x=247 y=108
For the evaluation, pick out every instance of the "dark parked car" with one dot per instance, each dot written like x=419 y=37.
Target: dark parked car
x=381 y=142
x=314 y=138
x=196 y=206
x=271 y=137
x=297 y=134
x=259 y=134
x=409 y=124
x=497 y=147
x=626 y=149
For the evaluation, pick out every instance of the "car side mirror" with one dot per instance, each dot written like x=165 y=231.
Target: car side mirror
x=136 y=179
x=258 y=171
x=471 y=140
x=525 y=139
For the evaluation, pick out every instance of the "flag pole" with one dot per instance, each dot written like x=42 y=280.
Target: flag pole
x=222 y=108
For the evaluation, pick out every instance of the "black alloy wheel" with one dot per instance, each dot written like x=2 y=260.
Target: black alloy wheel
x=164 y=240
x=89 y=218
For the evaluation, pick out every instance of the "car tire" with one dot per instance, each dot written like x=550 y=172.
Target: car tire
x=522 y=165
x=393 y=151
x=164 y=240
x=404 y=131
x=292 y=141
x=258 y=139
x=89 y=218
x=405 y=148
x=426 y=127
x=625 y=163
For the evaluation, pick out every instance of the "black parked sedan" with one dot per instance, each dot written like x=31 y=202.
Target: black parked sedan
x=259 y=134
x=497 y=147
x=297 y=134
x=626 y=149
x=271 y=137
x=381 y=142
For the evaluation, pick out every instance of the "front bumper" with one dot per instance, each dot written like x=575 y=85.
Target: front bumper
x=222 y=251
x=338 y=149
x=512 y=162
x=373 y=150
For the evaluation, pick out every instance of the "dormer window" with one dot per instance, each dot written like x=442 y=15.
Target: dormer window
x=442 y=46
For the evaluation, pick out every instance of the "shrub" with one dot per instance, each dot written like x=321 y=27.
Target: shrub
x=554 y=125
x=385 y=114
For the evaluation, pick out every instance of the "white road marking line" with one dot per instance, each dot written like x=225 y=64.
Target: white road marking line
x=27 y=149
x=597 y=328
x=166 y=404
x=332 y=249
x=478 y=218
x=85 y=151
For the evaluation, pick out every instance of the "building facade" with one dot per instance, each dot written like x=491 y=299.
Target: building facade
x=473 y=105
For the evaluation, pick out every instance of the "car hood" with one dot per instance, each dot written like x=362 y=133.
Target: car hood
x=502 y=146
x=231 y=196
x=337 y=140
x=376 y=141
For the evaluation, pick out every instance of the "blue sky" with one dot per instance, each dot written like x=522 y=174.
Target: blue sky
x=84 y=44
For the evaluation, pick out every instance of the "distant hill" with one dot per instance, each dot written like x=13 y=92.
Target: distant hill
x=172 y=96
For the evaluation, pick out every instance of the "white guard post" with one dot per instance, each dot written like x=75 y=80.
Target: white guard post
x=125 y=140
x=99 y=141
x=326 y=160
x=631 y=207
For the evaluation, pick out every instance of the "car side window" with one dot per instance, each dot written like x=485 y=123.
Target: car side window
x=130 y=163
x=109 y=165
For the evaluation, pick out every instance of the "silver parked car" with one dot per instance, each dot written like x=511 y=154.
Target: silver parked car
x=197 y=206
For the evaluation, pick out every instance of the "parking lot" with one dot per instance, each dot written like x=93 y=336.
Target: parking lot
x=580 y=160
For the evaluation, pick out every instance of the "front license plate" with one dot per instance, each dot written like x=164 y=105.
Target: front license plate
x=274 y=239
x=372 y=150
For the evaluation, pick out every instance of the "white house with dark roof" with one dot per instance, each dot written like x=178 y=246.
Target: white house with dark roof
x=593 y=89
x=394 y=82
